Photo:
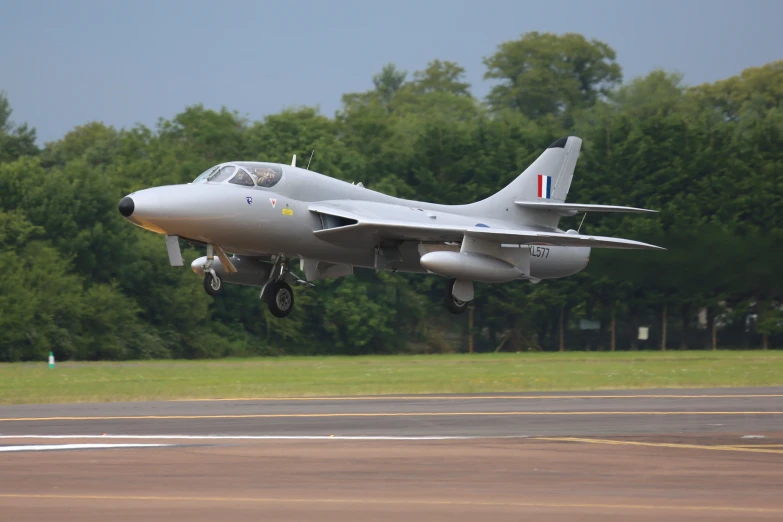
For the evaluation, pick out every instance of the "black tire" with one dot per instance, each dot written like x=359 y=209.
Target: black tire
x=453 y=305
x=212 y=285
x=280 y=299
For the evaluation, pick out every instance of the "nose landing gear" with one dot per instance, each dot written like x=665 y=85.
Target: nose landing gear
x=212 y=283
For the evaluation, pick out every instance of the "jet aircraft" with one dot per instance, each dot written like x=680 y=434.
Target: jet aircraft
x=267 y=214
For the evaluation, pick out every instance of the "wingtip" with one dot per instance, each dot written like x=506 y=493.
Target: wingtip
x=559 y=144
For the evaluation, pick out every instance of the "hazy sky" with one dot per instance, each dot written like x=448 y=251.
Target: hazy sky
x=66 y=62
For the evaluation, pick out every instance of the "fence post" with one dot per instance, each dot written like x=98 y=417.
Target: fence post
x=470 y=329
x=614 y=339
x=663 y=329
x=714 y=335
x=562 y=332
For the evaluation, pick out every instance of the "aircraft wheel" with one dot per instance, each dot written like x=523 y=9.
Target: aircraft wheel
x=454 y=305
x=212 y=284
x=280 y=299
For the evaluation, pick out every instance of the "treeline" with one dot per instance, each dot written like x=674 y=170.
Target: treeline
x=81 y=281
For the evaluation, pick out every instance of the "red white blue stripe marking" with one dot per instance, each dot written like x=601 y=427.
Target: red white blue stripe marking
x=544 y=186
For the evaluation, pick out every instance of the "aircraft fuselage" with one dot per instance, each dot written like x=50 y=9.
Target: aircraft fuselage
x=253 y=221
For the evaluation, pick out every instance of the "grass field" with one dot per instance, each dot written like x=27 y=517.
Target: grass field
x=374 y=375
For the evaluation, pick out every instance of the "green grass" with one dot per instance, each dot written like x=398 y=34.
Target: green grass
x=373 y=375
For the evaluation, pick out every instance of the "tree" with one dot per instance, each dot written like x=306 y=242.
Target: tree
x=88 y=285
x=388 y=81
x=728 y=96
x=441 y=77
x=15 y=140
x=546 y=74
x=658 y=92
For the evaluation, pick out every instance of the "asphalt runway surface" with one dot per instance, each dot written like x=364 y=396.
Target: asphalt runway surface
x=707 y=454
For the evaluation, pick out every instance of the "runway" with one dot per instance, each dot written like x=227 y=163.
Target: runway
x=650 y=455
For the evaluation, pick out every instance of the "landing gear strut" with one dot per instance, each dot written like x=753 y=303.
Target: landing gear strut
x=276 y=292
x=212 y=281
x=454 y=305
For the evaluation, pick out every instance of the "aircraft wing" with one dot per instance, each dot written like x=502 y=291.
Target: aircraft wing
x=352 y=229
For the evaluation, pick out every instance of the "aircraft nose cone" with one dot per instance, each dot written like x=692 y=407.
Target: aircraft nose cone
x=126 y=206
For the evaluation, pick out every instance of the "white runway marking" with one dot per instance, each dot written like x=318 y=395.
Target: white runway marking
x=239 y=437
x=55 y=447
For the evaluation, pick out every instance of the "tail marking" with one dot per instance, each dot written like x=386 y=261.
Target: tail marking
x=544 y=186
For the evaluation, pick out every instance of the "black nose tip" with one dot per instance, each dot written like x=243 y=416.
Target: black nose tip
x=126 y=206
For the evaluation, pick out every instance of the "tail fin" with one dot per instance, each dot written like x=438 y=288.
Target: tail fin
x=549 y=177
x=546 y=179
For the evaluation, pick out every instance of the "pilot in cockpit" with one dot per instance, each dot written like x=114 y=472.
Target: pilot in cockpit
x=266 y=176
x=246 y=174
x=242 y=178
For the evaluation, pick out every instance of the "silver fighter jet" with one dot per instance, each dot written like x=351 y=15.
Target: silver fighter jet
x=266 y=214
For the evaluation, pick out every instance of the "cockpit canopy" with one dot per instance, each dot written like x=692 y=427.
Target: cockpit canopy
x=247 y=173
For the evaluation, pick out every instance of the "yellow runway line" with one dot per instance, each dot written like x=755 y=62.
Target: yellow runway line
x=389 y=414
x=480 y=397
x=754 y=446
x=370 y=501
x=659 y=444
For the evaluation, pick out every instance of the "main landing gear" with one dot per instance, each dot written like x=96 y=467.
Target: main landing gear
x=453 y=305
x=276 y=292
x=279 y=298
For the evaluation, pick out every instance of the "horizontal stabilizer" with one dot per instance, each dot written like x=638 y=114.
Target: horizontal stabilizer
x=569 y=209
x=530 y=237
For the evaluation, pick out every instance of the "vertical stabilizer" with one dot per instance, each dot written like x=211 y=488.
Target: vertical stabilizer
x=566 y=174
x=547 y=179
